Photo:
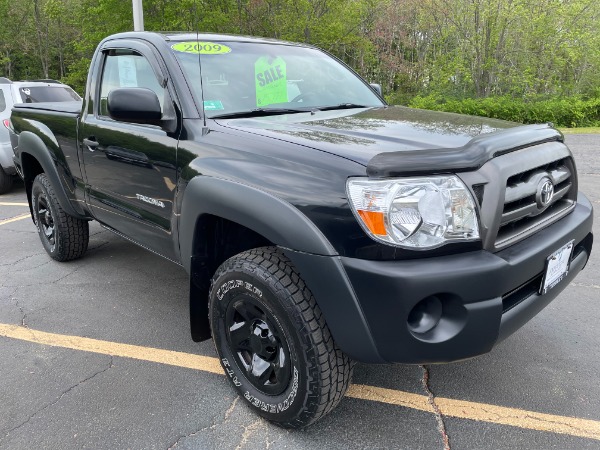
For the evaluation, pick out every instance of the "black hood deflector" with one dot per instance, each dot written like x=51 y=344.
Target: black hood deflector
x=471 y=156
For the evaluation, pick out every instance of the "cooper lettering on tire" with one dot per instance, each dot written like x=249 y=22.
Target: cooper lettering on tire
x=272 y=339
x=64 y=237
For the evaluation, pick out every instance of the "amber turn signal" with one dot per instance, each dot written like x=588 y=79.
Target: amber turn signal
x=374 y=221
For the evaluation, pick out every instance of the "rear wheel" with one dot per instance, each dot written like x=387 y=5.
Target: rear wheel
x=273 y=341
x=64 y=237
x=6 y=181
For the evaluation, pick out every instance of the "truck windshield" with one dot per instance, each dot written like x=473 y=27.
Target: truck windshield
x=35 y=94
x=240 y=77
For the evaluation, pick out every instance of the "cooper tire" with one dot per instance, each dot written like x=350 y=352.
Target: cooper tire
x=6 y=181
x=272 y=340
x=64 y=237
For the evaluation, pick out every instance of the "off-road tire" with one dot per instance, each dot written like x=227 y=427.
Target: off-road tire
x=266 y=283
x=6 y=181
x=64 y=237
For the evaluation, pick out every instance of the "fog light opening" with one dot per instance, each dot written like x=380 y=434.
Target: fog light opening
x=425 y=315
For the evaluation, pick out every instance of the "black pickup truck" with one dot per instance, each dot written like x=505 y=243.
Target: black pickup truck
x=319 y=226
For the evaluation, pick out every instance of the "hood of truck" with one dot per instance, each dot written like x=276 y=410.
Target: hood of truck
x=380 y=138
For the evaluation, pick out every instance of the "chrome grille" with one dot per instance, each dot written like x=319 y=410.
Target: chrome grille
x=520 y=196
x=525 y=206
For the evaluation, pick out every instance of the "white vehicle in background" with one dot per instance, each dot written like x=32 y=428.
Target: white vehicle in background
x=11 y=92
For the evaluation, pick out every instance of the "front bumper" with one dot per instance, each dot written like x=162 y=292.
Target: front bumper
x=485 y=296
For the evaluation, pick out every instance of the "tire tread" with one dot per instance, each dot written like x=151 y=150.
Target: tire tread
x=72 y=235
x=332 y=368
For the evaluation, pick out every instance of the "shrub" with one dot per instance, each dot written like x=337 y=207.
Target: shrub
x=562 y=112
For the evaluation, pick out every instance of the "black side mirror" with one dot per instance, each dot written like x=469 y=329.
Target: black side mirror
x=377 y=88
x=137 y=105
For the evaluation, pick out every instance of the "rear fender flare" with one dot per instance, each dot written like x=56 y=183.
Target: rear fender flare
x=31 y=144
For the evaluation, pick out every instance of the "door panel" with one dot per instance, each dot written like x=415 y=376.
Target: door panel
x=130 y=168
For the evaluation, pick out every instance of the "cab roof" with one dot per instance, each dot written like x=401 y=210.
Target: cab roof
x=169 y=36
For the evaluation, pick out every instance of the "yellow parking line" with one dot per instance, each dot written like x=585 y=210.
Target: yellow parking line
x=179 y=359
x=482 y=412
x=13 y=204
x=14 y=219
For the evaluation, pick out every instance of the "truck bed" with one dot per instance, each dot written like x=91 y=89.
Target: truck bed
x=57 y=124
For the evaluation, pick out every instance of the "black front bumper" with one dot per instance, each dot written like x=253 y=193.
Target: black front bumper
x=485 y=296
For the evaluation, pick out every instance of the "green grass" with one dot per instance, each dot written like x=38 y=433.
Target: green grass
x=586 y=130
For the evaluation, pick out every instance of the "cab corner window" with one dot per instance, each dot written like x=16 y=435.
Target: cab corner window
x=127 y=69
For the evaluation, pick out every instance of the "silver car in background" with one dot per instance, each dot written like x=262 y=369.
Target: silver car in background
x=12 y=92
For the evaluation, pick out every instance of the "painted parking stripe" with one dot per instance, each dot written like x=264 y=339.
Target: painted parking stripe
x=172 y=358
x=482 y=412
x=449 y=407
x=14 y=219
x=13 y=204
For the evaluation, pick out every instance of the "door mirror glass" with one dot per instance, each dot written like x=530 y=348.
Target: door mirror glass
x=134 y=104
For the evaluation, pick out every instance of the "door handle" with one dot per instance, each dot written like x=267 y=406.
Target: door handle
x=91 y=143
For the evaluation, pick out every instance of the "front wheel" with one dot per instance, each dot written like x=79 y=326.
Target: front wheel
x=272 y=340
x=64 y=237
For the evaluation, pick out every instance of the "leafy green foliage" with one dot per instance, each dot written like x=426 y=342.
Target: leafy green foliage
x=563 y=111
x=524 y=60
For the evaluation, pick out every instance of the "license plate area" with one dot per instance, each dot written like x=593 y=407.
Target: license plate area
x=557 y=267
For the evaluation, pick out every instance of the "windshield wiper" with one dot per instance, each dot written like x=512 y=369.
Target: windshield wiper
x=260 y=112
x=341 y=106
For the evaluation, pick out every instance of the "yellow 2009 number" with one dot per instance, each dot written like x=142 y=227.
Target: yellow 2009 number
x=202 y=48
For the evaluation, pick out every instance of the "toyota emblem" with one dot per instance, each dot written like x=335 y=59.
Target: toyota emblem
x=544 y=193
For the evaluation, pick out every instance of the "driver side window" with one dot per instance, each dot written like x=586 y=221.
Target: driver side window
x=126 y=68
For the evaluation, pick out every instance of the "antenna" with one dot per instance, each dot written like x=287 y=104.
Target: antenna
x=197 y=21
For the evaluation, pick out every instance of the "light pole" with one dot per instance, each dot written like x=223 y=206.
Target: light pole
x=138 y=15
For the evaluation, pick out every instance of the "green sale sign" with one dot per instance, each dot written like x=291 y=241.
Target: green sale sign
x=271 y=81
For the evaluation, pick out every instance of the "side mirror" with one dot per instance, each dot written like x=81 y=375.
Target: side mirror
x=377 y=88
x=137 y=105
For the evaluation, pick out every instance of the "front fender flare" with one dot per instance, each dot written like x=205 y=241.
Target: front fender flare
x=285 y=226
x=273 y=218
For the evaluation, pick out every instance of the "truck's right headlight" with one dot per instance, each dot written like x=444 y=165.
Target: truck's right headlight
x=417 y=213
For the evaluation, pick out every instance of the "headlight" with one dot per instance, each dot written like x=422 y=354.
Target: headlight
x=416 y=213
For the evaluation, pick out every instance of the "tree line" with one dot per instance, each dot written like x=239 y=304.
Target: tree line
x=431 y=53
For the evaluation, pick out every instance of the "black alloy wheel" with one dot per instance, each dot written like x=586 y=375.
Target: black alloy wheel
x=45 y=221
x=259 y=345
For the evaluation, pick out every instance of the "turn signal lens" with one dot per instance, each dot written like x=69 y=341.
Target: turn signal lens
x=374 y=221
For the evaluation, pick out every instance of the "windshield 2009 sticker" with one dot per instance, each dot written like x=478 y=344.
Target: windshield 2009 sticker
x=201 y=48
x=271 y=81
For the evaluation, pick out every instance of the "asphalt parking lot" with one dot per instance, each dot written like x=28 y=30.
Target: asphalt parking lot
x=96 y=353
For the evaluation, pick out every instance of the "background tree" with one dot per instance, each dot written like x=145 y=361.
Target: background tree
x=443 y=51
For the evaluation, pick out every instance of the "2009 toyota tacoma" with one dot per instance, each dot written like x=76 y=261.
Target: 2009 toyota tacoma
x=319 y=226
